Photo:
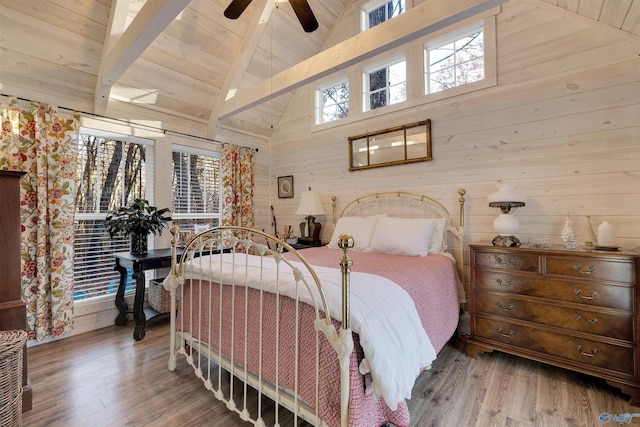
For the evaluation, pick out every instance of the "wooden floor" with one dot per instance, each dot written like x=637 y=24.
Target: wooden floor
x=105 y=378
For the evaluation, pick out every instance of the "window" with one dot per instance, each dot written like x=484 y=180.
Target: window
x=196 y=188
x=376 y=12
x=111 y=172
x=332 y=102
x=455 y=62
x=385 y=86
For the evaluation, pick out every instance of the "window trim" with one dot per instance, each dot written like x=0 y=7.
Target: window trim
x=414 y=52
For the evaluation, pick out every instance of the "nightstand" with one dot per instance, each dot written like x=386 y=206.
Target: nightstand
x=299 y=246
x=577 y=310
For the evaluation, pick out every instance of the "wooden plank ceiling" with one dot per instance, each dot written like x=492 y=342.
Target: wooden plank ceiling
x=181 y=58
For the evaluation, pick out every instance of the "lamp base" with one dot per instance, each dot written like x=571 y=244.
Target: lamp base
x=507 y=241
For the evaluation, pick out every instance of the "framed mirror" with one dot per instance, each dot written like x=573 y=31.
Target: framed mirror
x=394 y=146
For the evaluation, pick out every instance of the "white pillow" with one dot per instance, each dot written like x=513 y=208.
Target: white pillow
x=361 y=229
x=437 y=243
x=402 y=236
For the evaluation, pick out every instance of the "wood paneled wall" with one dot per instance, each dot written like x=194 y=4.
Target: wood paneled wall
x=563 y=124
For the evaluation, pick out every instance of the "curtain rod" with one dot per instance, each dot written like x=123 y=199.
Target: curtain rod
x=164 y=131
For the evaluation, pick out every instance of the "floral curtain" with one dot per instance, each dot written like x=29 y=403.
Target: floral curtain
x=238 y=166
x=42 y=144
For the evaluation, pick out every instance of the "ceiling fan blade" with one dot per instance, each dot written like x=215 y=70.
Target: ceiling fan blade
x=305 y=15
x=235 y=8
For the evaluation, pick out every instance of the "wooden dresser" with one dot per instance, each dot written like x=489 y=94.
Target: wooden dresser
x=13 y=313
x=573 y=309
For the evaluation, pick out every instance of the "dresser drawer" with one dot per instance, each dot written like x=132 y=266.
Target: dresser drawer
x=508 y=261
x=618 y=326
x=611 y=296
x=591 y=269
x=590 y=353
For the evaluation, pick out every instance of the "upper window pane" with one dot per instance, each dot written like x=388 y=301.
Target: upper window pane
x=333 y=102
x=376 y=12
x=455 y=63
x=385 y=86
x=110 y=173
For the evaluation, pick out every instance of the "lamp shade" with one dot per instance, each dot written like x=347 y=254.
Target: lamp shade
x=310 y=204
x=506 y=193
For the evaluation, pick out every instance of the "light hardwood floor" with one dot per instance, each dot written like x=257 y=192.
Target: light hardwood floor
x=105 y=378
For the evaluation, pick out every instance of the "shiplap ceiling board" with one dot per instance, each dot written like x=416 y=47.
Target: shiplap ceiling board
x=181 y=58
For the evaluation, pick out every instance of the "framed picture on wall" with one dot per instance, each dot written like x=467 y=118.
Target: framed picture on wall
x=285 y=187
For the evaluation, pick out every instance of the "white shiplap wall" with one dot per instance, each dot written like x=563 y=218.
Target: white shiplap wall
x=563 y=124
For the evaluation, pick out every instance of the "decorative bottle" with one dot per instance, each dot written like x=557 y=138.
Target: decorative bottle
x=568 y=236
x=588 y=235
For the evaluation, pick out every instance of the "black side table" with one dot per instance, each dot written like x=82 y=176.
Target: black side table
x=158 y=258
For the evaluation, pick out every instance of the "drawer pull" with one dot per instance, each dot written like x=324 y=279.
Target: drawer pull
x=507 y=308
x=594 y=351
x=508 y=334
x=592 y=295
x=591 y=269
x=505 y=284
x=594 y=320
x=499 y=260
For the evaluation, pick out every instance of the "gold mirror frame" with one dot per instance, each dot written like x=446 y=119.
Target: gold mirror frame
x=393 y=146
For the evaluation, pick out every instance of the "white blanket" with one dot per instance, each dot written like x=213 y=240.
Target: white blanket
x=395 y=345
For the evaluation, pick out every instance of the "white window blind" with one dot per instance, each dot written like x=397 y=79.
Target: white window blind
x=196 y=187
x=112 y=170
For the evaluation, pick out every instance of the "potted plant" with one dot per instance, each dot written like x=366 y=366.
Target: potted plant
x=138 y=221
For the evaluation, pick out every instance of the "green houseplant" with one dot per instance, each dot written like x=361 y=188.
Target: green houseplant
x=138 y=221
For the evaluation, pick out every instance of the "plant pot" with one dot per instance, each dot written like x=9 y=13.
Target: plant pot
x=139 y=244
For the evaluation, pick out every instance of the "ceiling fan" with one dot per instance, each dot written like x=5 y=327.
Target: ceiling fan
x=300 y=7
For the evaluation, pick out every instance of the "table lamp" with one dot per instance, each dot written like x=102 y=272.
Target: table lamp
x=310 y=205
x=507 y=199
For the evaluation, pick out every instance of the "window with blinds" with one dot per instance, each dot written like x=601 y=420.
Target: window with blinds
x=111 y=172
x=196 y=186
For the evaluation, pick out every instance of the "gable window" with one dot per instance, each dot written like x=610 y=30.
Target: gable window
x=196 y=189
x=385 y=85
x=332 y=102
x=454 y=62
x=112 y=171
x=378 y=11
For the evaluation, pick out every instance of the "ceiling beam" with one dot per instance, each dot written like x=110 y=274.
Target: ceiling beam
x=151 y=20
x=417 y=22
x=116 y=27
x=242 y=58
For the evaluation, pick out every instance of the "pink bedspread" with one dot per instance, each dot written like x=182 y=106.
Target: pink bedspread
x=431 y=281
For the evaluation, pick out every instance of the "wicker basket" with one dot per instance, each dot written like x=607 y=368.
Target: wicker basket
x=159 y=298
x=11 y=348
